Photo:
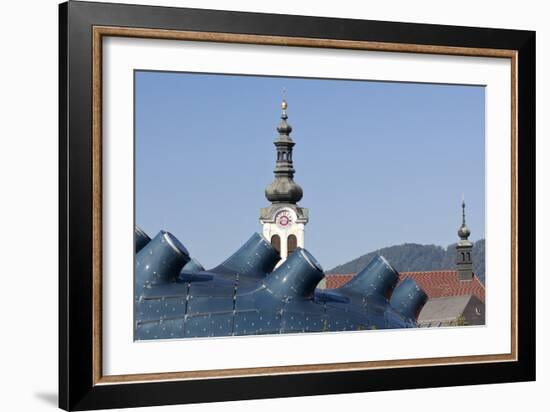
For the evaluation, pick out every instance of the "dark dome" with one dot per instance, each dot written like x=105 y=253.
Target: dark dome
x=284 y=189
x=284 y=128
x=463 y=232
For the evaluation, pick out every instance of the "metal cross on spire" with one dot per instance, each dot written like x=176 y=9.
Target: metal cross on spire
x=463 y=210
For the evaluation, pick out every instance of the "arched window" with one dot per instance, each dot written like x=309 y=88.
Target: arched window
x=276 y=243
x=463 y=256
x=292 y=244
x=469 y=257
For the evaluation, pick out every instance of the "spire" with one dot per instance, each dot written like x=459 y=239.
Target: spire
x=283 y=189
x=463 y=230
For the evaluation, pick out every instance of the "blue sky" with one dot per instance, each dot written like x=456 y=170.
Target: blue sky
x=380 y=163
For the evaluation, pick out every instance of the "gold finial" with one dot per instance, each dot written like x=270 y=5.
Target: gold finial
x=284 y=104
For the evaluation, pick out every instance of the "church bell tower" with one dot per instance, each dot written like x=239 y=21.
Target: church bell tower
x=284 y=221
x=464 y=263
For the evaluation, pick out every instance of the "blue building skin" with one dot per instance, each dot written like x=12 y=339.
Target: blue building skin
x=245 y=295
x=140 y=239
x=193 y=266
x=408 y=299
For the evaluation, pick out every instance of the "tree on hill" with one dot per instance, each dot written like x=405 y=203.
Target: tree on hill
x=411 y=257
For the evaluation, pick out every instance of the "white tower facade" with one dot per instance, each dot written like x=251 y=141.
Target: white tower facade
x=283 y=223
x=284 y=226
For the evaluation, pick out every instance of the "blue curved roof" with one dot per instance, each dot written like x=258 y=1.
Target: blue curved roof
x=248 y=295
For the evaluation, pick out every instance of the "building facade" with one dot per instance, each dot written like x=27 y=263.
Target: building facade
x=460 y=310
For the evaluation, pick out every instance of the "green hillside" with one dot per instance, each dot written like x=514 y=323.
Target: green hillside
x=414 y=257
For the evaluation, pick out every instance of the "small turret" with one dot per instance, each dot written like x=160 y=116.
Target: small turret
x=464 y=249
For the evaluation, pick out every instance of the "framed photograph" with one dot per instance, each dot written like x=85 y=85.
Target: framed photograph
x=256 y=205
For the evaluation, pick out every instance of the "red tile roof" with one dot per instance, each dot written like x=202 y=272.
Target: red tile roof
x=436 y=284
x=335 y=280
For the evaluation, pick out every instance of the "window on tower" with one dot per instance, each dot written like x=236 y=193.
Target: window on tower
x=276 y=243
x=292 y=244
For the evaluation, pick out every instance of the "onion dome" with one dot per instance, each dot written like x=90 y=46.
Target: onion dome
x=283 y=190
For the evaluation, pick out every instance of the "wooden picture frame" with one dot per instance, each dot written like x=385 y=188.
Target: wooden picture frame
x=82 y=385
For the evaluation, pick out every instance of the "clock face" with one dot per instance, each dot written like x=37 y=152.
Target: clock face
x=283 y=218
